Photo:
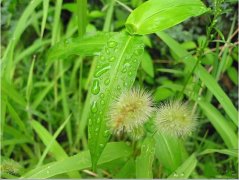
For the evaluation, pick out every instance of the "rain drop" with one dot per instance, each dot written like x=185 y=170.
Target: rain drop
x=101 y=71
x=101 y=145
x=102 y=102
x=112 y=59
x=95 y=87
x=90 y=121
x=112 y=44
x=94 y=107
x=138 y=52
x=98 y=120
x=107 y=81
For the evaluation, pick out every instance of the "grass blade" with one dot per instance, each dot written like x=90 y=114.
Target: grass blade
x=201 y=72
x=184 y=171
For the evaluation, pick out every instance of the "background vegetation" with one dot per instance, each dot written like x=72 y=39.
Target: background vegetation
x=44 y=102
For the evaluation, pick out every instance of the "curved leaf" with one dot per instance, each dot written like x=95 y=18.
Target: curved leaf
x=80 y=161
x=88 y=45
x=157 y=15
x=115 y=72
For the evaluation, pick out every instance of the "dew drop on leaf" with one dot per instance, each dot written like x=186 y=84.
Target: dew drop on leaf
x=94 y=107
x=112 y=44
x=107 y=81
x=112 y=59
x=102 y=70
x=95 y=87
x=139 y=52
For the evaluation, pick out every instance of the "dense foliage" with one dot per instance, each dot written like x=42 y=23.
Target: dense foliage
x=119 y=89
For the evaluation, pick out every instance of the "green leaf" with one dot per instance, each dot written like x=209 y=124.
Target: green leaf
x=56 y=150
x=88 y=45
x=157 y=15
x=230 y=152
x=52 y=145
x=80 y=161
x=202 y=73
x=115 y=72
x=233 y=74
x=147 y=64
x=127 y=171
x=169 y=151
x=145 y=161
x=184 y=171
x=219 y=123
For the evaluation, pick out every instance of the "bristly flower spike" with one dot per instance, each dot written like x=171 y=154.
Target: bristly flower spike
x=130 y=111
x=175 y=118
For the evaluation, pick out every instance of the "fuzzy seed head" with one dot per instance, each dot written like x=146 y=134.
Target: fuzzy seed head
x=130 y=110
x=10 y=167
x=175 y=118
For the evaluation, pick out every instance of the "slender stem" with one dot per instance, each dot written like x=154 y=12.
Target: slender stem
x=81 y=16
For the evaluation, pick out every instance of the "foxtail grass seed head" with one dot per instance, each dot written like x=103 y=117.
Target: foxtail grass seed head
x=10 y=166
x=175 y=118
x=130 y=110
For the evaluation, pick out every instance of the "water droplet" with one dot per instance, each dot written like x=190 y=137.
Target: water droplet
x=101 y=145
x=182 y=174
x=102 y=58
x=90 y=121
x=138 y=52
x=107 y=50
x=47 y=172
x=106 y=133
x=107 y=81
x=124 y=70
x=94 y=107
x=102 y=95
x=100 y=112
x=95 y=87
x=102 y=102
x=112 y=59
x=98 y=120
x=130 y=73
x=67 y=42
x=199 y=98
x=96 y=129
x=118 y=87
x=102 y=70
x=112 y=44
x=125 y=84
x=175 y=174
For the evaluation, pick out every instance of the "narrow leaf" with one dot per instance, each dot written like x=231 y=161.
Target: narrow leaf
x=201 y=72
x=184 y=171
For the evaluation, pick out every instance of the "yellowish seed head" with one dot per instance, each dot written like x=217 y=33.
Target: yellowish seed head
x=130 y=110
x=175 y=118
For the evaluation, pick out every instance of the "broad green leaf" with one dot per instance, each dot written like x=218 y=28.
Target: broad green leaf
x=116 y=69
x=202 y=73
x=127 y=171
x=169 y=151
x=80 y=161
x=157 y=15
x=219 y=123
x=86 y=46
x=145 y=160
x=184 y=171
